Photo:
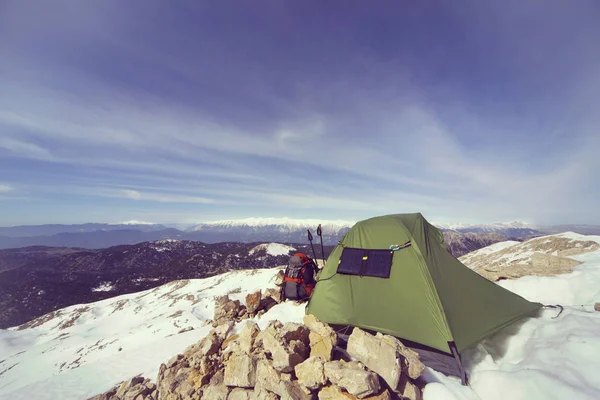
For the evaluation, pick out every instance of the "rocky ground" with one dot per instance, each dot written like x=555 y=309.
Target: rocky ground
x=283 y=361
x=543 y=256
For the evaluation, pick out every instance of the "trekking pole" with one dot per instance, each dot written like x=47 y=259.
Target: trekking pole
x=320 y=233
x=310 y=238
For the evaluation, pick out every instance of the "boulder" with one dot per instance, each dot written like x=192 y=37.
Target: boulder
x=241 y=394
x=253 y=302
x=222 y=330
x=310 y=373
x=291 y=331
x=244 y=342
x=408 y=390
x=353 y=377
x=597 y=306
x=267 y=377
x=136 y=388
x=272 y=293
x=225 y=309
x=204 y=369
x=263 y=395
x=285 y=344
x=215 y=392
x=336 y=393
x=291 y=390
x=279 y=278
x=385 y=355
x=322 y=337
x=240 y=371
x=128 y=384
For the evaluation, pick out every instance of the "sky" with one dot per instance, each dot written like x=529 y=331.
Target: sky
x=190 y=111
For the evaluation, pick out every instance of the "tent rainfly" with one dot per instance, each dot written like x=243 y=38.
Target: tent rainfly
x=393 y=274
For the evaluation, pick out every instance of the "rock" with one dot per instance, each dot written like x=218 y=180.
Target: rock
x=597 y=306
x=215 y=392
x=272 y=293
x=263 y=395
x=267 y=377
x=203 y=371
x=385 y=355
x=244 y=342
x=174 y=360
x=106 y=395
x=336 y=393
x=353 y=377
x=225 y=309
x=285 y=344
x=322 y=337
x=408 y=390
x=223 y=329
x=241 y=394
x=291 y=390
x=253 y=302
x=292 y=331
x=279 y=278
x=240 y=371
x=310 y=373
x=135 y=391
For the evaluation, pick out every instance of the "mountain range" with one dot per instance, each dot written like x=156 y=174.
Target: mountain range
x=283 y=230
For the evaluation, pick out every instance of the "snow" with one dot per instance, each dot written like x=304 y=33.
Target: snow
x=114 y=339
x=285 y=223
x=539 y=358
x=104 y=287
x=134 y=222
x=579 y=237
x=88 y=348
x=489 y=250
x=494 y=226
x=274 y=249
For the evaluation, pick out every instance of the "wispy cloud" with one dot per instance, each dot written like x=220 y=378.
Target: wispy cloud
x=5 y=188
x=163 y=198
x=238 y=124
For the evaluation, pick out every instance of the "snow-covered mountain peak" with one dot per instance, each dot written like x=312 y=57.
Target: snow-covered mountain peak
x=497 y=225
x=289 y=223
x=134 y=222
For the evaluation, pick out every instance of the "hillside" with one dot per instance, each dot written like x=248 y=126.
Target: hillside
x=543 y=256
x=40 y=280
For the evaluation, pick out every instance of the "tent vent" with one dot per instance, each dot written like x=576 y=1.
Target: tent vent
x=366 y=262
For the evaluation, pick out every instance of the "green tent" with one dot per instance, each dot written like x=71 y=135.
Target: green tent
x=393 y=274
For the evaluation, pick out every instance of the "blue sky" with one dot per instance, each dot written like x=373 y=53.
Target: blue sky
x=191 y=111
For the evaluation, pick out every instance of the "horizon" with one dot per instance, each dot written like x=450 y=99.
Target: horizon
x=178 y=113
x=284 y=220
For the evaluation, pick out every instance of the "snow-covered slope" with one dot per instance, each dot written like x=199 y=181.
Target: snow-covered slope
x=508 y=254
x=273 y=249
x=84 y=350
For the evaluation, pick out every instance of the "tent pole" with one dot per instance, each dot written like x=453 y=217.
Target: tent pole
x=464 y=379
